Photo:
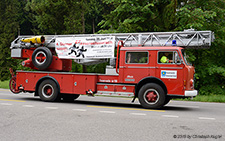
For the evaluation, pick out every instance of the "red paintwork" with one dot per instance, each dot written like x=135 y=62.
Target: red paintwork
x=60 y=64
x=28 y=81
x=56 y=65
x=129 y=76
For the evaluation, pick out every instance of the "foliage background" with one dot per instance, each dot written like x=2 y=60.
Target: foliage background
x=35 y=17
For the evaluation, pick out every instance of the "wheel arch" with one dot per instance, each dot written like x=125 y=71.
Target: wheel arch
x=149 y=80
x=45 y=78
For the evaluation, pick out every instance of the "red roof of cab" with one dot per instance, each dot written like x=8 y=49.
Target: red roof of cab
x=152 y=48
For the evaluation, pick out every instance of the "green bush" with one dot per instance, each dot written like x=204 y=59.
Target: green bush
x=4 y=84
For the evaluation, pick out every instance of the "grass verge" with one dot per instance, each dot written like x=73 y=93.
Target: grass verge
x=206 y=98
x=4 y=84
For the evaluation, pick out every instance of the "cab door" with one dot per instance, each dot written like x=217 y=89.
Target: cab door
x=135 y=66
x=171 y=71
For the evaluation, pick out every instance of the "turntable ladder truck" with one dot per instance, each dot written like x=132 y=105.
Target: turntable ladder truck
x=137 y=71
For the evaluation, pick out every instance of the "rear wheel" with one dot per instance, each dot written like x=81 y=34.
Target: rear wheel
x=42 y=58
x=151 y=96
x=48 y=91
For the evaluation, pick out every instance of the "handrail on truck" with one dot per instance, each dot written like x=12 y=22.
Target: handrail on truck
x=118 y=52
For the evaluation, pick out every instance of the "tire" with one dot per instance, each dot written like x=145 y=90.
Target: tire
x=167 y=100
x=151 y=95
x=42 y=58
x=48 y=91
x=70 y=97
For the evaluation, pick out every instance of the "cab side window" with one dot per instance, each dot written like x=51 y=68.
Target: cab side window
x=168 y=57
x=136 y=57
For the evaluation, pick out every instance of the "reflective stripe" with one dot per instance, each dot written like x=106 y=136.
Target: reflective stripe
x=180 y=68
x=138 y=67
x=115 y=84
x=111 y=93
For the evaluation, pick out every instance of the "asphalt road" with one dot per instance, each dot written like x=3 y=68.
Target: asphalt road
x=25 y=117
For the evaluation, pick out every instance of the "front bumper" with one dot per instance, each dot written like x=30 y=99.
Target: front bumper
x=191 y=93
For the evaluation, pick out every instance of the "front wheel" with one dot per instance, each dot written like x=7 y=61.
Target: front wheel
x=48 y=91
x=151 y=96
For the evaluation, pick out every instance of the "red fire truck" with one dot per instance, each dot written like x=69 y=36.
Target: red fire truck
x=148 y=66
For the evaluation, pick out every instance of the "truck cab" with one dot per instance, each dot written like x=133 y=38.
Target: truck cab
x=144 y=65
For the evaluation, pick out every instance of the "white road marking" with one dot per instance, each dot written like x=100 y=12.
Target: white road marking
x=28 y=106
x=109 y=112
x=7 y=104
x=52 y=108
x=138 y=114
x=82 y=110
x=206 y=118
x=171 y=116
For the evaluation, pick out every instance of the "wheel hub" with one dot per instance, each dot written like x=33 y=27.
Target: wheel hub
x=40 y=57
x=47 y=91
x=151 y=96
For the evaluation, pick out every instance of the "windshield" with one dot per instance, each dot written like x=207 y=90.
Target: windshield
x=186 y=58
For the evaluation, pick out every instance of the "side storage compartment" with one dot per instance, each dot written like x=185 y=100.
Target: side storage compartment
x=115 y=89
x=77 y=83
x=84 y=83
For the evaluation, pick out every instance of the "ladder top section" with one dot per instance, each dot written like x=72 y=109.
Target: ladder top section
x=186 y=39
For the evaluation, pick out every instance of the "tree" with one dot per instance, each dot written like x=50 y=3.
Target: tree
x=138 y=16
x=94 y=15
x=10 y=20
x=74 y=20
x=47 y=16
x=210 y=64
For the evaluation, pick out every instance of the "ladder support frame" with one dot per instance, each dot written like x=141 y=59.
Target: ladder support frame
x=185 y=39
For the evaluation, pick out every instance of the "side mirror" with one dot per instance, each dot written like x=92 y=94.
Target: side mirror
x=180 y=62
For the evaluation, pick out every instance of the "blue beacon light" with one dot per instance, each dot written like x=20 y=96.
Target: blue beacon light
x=174 y=43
